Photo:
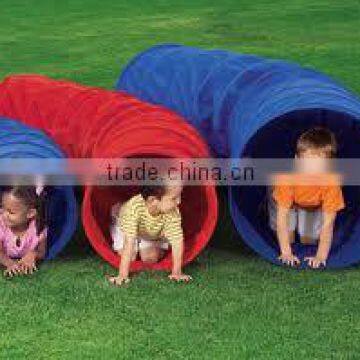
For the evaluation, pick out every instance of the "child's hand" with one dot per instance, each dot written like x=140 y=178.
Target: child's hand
x=118 y=280
x=12 y=270
x=180 y=277
x=27 y=263
x=289 y=259
x=315 y=261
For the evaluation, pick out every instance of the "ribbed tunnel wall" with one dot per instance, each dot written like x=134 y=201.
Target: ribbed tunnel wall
x=96 y=123
x=18 y=141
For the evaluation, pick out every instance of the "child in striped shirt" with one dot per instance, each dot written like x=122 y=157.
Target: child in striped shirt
x=146 y=224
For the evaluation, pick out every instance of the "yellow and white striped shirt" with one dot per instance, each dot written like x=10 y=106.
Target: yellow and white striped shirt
x=135 y=220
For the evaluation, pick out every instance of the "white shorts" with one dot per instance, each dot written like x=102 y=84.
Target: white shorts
x=140 y=244
x=307 y=222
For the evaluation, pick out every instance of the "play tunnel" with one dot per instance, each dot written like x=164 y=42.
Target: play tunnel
x=20 y=141
x=96 y=123
x=250 y=106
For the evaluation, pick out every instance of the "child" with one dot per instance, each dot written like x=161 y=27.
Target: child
x=147 y=224
x=22 y=229
x=312 y=208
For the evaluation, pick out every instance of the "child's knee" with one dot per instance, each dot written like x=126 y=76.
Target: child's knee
x=307 y=240
x=150 y=255
x=149 y=258
x=292 y=237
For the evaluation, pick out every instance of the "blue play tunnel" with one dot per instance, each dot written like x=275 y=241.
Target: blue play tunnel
x=20 y=141
x=250 y=106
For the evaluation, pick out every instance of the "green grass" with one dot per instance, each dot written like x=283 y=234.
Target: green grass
x=238 y=306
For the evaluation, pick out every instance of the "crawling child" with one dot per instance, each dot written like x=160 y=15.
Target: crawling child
x=146 y=225
x=311 y=208
x=22 y=229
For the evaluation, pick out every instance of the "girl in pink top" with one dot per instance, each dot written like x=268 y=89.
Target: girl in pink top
x=23 y=229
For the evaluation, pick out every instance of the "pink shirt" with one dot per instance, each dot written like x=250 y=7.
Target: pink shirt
x=28 y=241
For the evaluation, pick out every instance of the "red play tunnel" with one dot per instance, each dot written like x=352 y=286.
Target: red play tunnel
x=93 y=122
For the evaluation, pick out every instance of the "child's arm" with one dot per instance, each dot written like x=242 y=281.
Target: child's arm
x=325 y=241
x=124 y=266
x=177 y=257
x=40 y=251
x=286 y=254
x=12 y=267
x=28 y=262
x=174 y=234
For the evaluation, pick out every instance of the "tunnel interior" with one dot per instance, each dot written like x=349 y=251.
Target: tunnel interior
x=58 y=218
x=278 y=140
x=194 y=207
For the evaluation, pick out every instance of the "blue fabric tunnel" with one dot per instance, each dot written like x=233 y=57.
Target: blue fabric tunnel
x=250 y=106
x=20 y=141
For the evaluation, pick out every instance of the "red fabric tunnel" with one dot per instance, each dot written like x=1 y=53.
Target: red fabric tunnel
x=92 y=122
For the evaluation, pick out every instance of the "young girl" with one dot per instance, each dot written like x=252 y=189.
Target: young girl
x=23 y=229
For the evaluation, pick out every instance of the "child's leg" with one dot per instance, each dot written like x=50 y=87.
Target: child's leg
x=272 y=210
x=310 y=222
x=118 y=242
x=152 y=251
x=115 y=210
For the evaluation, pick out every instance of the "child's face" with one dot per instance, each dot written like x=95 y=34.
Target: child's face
x=313 y=160
x=16 y=213
x=170 y=200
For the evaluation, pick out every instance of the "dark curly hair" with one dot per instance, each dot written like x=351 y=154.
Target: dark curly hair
x=29 y=196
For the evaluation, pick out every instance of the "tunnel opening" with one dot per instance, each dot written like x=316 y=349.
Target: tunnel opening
x=197 y=211
x=278 y=140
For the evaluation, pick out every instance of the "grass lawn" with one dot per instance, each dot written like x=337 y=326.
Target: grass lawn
x=238 y=306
